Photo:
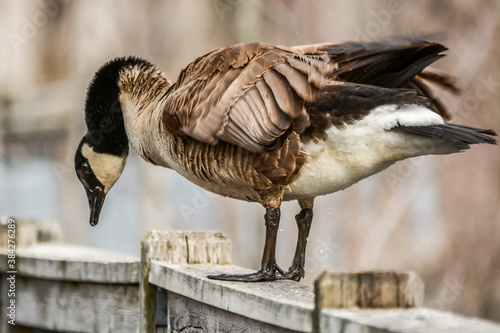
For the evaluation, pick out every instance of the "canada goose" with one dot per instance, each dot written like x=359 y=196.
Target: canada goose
x=268 y=123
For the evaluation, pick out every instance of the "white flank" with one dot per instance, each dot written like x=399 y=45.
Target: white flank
x=361 y=149
x=107 y=168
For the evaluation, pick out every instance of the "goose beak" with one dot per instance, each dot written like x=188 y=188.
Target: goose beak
x=96 y=200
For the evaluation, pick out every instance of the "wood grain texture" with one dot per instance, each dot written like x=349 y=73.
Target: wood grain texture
x=188 y=247
x=59 y=261
x=70 y=288
x=286 y=304
x=367 y=290
x=413 y=320
x=193 y=303
x=188 y=315
x=30 y=231
x=64 y=306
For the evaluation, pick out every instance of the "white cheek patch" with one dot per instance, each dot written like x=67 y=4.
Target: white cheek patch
x=107 y=168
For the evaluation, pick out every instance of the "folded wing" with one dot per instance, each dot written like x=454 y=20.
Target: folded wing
x=247 y=94
x=251 y=94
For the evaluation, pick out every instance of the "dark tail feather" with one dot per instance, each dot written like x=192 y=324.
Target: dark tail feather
x=423 y=89
x=454 y=133
x=443 y=80
x=393 y=63
x=389 y=64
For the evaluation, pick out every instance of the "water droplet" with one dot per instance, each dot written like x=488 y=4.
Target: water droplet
x=296 y=32
x=329 y=213
x=307 y=239
x=321 y=250
x=281 y=229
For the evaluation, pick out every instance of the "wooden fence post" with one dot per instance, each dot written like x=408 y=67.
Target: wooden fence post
x=29 y=231
x=176 y=247
x=366 y=290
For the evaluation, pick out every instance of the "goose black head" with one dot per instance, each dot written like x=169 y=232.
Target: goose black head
x=98 y=172
x=102 y=153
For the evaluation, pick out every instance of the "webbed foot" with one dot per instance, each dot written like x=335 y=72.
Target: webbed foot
x=262 y=274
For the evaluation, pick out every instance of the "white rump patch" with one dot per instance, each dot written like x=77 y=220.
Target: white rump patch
x=362 y=148
x=390 y=116
x=107 y=168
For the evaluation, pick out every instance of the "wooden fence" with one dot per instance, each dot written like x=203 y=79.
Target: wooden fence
x=66 y=288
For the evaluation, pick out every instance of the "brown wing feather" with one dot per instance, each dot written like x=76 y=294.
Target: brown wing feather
x=246 y=94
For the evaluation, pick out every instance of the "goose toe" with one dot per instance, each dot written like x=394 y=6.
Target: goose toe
x=270 y=274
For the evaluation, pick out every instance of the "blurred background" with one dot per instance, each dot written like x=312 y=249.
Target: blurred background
x=438 y=216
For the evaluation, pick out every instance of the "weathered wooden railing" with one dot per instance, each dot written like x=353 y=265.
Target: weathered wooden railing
x=66 y=288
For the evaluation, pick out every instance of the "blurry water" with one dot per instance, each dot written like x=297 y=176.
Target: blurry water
x=29 y=189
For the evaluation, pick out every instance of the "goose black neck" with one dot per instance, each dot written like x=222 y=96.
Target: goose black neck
x=103 y=112
x=106 y=129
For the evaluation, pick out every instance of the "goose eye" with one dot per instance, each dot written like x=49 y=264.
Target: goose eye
x=86 y=168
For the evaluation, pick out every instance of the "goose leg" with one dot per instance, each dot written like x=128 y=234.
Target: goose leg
x=304 y=221
x=269 y=267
